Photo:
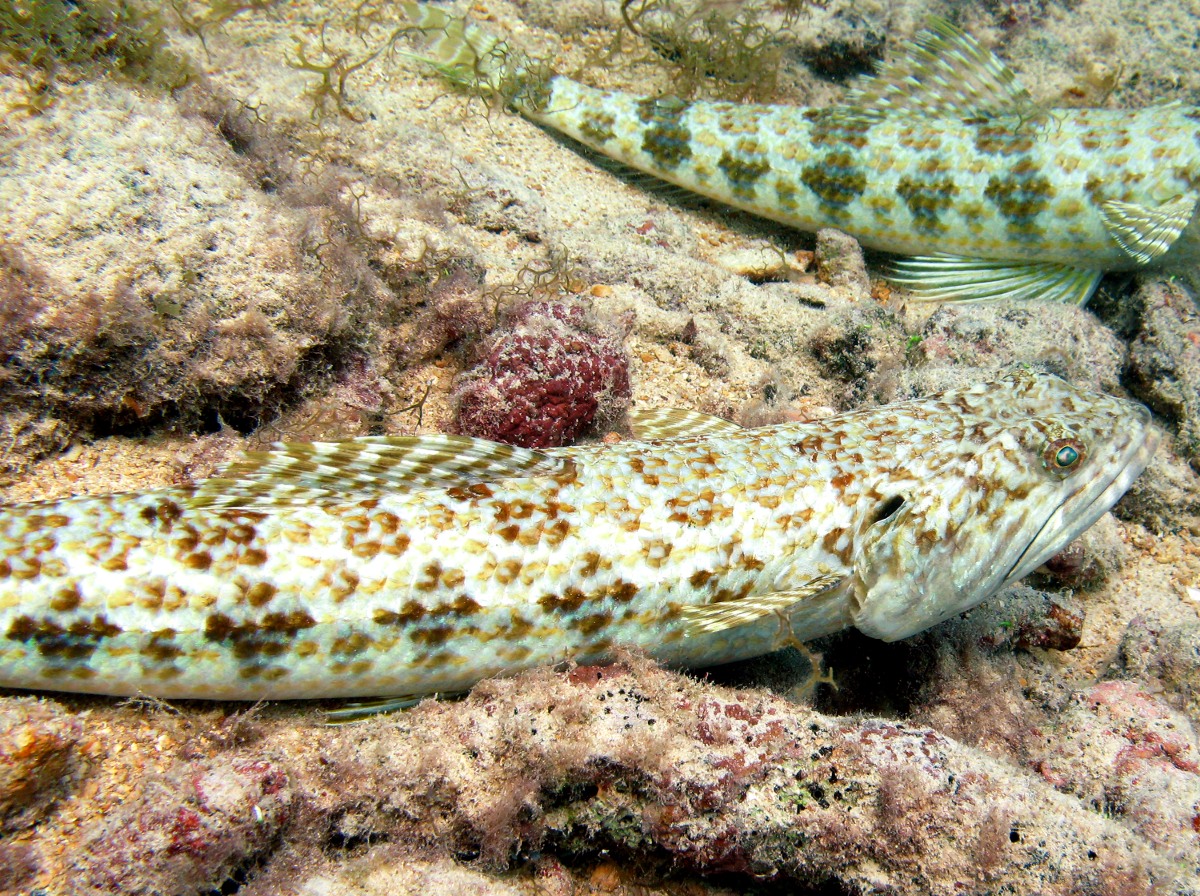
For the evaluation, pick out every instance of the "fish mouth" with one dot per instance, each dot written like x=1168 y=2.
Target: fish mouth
x=1135 y=454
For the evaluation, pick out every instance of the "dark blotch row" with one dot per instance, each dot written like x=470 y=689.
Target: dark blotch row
x=666 y=139
x=835 y=179
x=77 y=641
x=272 y=636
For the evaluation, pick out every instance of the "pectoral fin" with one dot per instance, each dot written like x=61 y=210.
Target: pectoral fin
x=953 y=278
x=729 y=614
x=1148 y=233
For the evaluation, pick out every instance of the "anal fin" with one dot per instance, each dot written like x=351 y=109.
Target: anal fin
x=955 y=278
x=719 y=617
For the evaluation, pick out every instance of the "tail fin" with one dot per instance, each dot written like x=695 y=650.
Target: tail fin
x=465 y=53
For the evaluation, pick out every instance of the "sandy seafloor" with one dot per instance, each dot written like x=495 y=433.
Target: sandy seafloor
x=185 y=274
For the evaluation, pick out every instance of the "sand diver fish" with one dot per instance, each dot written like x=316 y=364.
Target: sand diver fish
x=388 y=566
x=942 y=157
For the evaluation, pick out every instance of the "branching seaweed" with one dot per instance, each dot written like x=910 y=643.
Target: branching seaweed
x=707 y=48
x=334 y=68
x=557 y=276
x=49 y=43
x=724 y=51
x=202 y=17
x=378 y=26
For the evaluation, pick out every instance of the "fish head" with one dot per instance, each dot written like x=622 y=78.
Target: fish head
x=999 y=479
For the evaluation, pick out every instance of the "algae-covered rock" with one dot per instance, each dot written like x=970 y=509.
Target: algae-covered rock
x=638 y=761
x=1164 y=361
x=1125 y=752
x=143 y=276
x=188 y=831
x=1169 y=656
x=37 y=755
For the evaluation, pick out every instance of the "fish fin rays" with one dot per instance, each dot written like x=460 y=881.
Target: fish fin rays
x=359 y=710
x=290 y=474
x=944 y=71
x=954 y=278
x=1145 y=233
x=652 y=424
x=719 y=617
x=459 y=50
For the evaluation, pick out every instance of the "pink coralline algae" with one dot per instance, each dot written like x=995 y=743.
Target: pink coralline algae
x=1128 y=753
x=547 y=375
x=188 y=832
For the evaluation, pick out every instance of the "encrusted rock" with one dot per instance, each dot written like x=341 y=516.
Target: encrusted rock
x=1125 y=752
x=840 y=263
x=37 y=747
x=173 y=285
x=1164 y=361
x=187 y=832
x=971 y=342
x=1168 y=655
x=641 y=761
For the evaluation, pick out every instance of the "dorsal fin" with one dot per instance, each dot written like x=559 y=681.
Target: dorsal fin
x=944 y=71
x=652 y=424
x=315 y=472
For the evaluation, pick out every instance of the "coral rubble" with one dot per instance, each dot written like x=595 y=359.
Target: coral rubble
x=630 y=760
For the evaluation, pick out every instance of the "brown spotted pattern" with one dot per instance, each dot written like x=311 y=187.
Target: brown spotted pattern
x=432 y=587
x=1024 y=187
x=942 y=153
x=665 y=137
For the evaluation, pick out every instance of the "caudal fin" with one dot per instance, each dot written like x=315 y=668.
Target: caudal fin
x=464 y=53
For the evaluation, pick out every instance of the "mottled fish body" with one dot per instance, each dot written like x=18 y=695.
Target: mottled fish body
x=943 y=157
x=408 y=566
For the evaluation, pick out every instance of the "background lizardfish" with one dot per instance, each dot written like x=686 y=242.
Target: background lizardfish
x=943 y=157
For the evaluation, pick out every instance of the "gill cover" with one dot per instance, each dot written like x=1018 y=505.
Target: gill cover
x=907 y=577
x=955 y=541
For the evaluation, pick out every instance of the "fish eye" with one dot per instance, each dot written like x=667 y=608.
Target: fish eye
x=1064 y=456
